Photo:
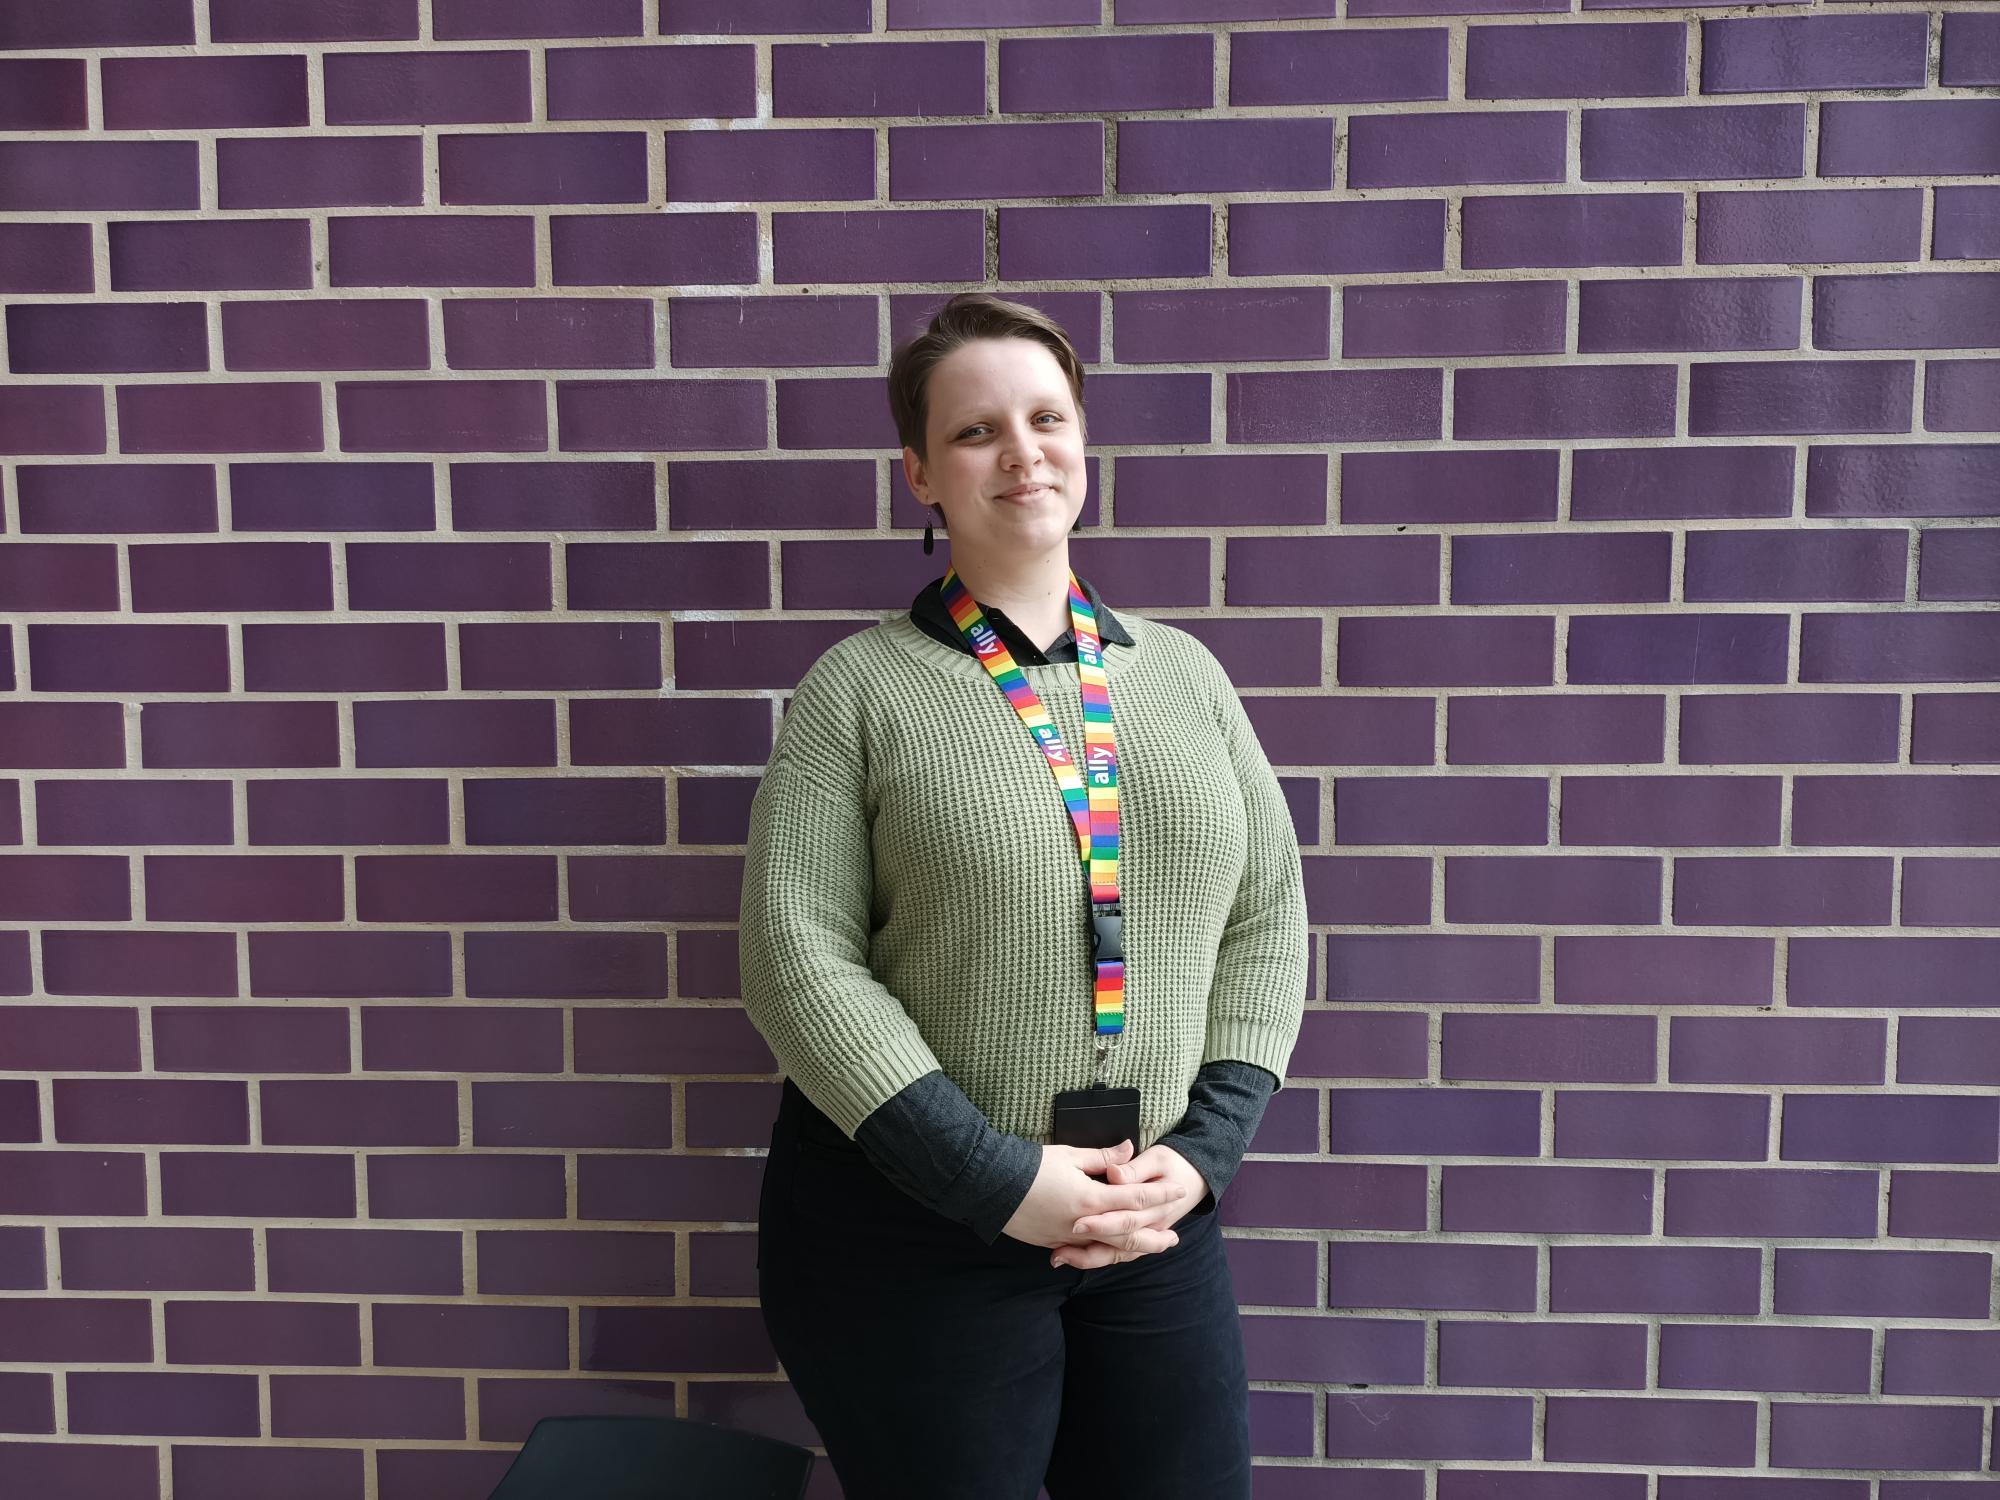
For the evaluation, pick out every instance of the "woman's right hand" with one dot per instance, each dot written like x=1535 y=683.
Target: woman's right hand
x=1066 y=1189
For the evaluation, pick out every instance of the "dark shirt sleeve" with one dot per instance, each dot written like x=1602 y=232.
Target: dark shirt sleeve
x=937 y=1146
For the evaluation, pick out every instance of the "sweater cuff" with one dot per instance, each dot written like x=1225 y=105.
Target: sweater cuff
x=935 y=1144
x=1225 y=1104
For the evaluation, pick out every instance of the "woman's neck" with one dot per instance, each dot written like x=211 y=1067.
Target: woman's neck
x=1034 y=594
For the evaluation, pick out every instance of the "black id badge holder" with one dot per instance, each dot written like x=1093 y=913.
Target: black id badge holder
x=1097 y=1116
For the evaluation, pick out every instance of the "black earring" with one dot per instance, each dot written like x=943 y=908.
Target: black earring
x=928 y=542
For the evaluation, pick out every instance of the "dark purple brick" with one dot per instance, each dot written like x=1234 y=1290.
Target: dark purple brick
x=97 y=1183
x=1571 y=229
x=557 y=811
x=113 y=23
x=263 y=1333
x=359 y=1112
x=1908 y=809
x=361 y=171
x=568 y=654
x=784 y=165
x=235 y=417
x=1334 y=570
x=1819 y=565
x=1949 y=728
x=570 y=1114
x=205 y=577
x=1968 y=223
x=338 y=496
x=1264 y=323
x=212 y=255
x=1773 y=728
x=1665 y=142
x=1650 y=1430
x=312 y=21
x=1653 y=483
x=1372 y=1424
x=1960 y=563
x=1333 y=406
x=442 y=416
x=208 y=735
x=349 y=965
x=652 y=249
x=1481 y=317
x=454 y=888
x=1572 y=568
x=1333 y=67
x=1755 y=397
x=1947 y=310
x=1918 y=137
x=596 y=416
x=38 y=576
x=1558 y=1049
x=1819 y=224
x=542 y=333
x=1778 y=53
x=303 y=1473
x=666 y=575
x=1930 y=479
x=1774 y=1050
x=249 y=1039
x=1971 y=49
x=1496 y=485
x=424 y=733
x=1450 y=7
x=1940 y=1362
x=385 y=656
x=1910 y=1128
x=1549 y=401
x=1040 y=159
x=448 y=576
x=1038 y=75
x=1655 y=316
x=203 y=93
x=411 y=1262
x=489 y=1185
x=1961 y=646
x=470 y=1337
x=1102 y=241
x=654 y=83
x=43 y=93
x=51 y=419
x=461 y=1039
x=565 y=167
x=1682 y=1279
x=1759 y=1203
x=138 y=963
x=367 y=1406
x=734 y=332
x=476 y=20
x=120 y=658
x=1596 y=61
x=323 y=334
x=1962 y=395
x=893 y=78
x=133 y=497
x=570 y=965
x=427 y=88
x=80 y=176
x=162 y=1403
x=254 y=1184
x=1445 y=147
x=568 y=496
x=1851 y=1435
x=140 y=1259
x=431 y=250
x=352 y=810
x=243 y=888
x=46 y=258
x=1898 y=971
x=1300 y=239
x=946 y=14
x=1517 y=1353
x=135 y=812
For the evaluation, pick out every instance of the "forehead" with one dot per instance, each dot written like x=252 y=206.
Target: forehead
x=997 y=372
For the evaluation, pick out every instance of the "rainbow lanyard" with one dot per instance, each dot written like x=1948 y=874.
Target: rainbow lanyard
x=1094 y=810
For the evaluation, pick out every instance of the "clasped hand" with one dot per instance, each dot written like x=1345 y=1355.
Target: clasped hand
x=1131 y=1213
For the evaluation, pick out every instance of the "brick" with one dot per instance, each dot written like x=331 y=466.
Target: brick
x=1594 y=61
x=1053 y=159
x=1326 y=67
x=1940 y=310
x=377 y=810
x=1959 y=563
x=576 y=965
x=1334 y=570
x=81 y=176
x=1446 y=147
x=51 y=419
x=1496 y=485
x=138 y=963
x=427 y=88
x=1675 y=1279
x=1951 y=892
x=1283 y=155
x=1754 y=1202
x=1845 y=1435
x=568 y=654
x=1556 y=1049
x=116 y=23
x=43 y=93
x=45 y=258
x=213 y=735
x=1796 y=565
x=1911 y=809
x=1918 y=137
x=946 y=244
x=1450 y=7
x=818 y=80
x=1876 y=1128
x=216 y=1468
x=1416 y=321
x=1599 y=1355
x=136 y=812
x=1822 y=224
x=1572 y=229
x=509 y=333
x=1774 y=1050
x=666 y=575
x=432 y=250
x=461 y=1039
x=736 y=332
x=47 y=1184
x=1932 y=479
x=1749 y=397
x=566 y=167
x=484 y=20
x=450 y=577
x=423 y=733
x=361 y=171
x=590 y=810
x=203 y=93
x=1629 y=566
x=655 y=249
x=599 y=416
x=786 y=166
x=607 y=495
x=126 y=497
x=1552 y=401
x=486 y=1185
x=1781 y=890
x=234 y=417
x=106 y=1259
x=1955 y=728
x=363 y=1262
x=263 y=1333
x=252 y=1184
x=38 y=576
x=459 y=1337
x=385 y=656
x=70 y=338
x=1038 y=75
x=1263 y=323
x=1937 y=1362
x=119 y=658
x=442 y=416
x=311 y=21
x=654 y=83
x=1688 y=313
x=942 y=14
x=243 y=888
x=1334 y=406
x=117 y=1111
x=1962 y=395
x=249 y=1039
x=1770 y=54
x=1683 y=141
x=454 y=888
x=1650 y=1430
x=322 y=334
x=573 y=1262
x=1373 y=1424
x=1300 y=239
x=349 y=965
x=231 y=576
x=214 y=255
x=359 y=1112
x=367 y=1406
x=1971 y=49
x=162 y=1403
x=1099 y=241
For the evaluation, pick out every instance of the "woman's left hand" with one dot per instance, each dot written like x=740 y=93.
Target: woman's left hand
x=1103 y=1239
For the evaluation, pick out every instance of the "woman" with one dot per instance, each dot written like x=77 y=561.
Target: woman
x=1023 y=923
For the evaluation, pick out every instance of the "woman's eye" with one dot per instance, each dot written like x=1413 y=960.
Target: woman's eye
x=976 y=426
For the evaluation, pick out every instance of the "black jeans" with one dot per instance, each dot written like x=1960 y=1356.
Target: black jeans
x=935 y=1366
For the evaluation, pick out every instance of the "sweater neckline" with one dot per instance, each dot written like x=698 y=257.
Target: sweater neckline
x=910 y=638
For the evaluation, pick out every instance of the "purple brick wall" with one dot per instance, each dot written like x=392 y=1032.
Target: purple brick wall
x=436 y=434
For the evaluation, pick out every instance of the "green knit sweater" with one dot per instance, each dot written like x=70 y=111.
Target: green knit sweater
x=913 y=897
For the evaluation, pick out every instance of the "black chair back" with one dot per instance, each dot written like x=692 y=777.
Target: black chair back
x=652 y=1458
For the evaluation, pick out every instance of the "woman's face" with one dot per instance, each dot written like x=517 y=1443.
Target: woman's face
x=1006 y=450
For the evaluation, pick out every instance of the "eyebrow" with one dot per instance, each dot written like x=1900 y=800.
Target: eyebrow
x=1045 y=399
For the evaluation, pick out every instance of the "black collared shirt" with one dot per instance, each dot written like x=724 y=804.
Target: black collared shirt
x=928 y=613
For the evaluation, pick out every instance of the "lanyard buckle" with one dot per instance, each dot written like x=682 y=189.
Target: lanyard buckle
x=1107 y=925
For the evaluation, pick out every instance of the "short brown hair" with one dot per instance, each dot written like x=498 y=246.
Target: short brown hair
x=964 y=317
